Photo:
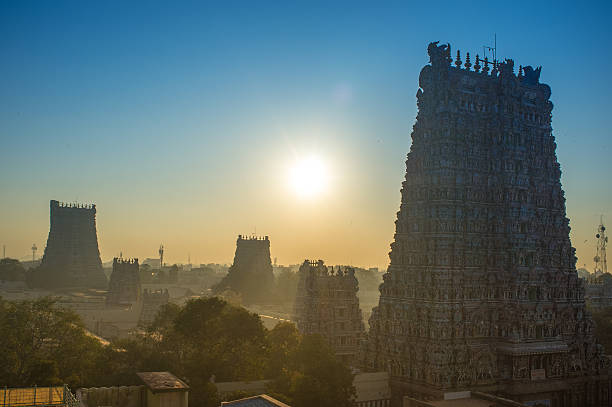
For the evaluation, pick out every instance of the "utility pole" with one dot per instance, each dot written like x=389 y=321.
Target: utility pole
x=601 y=263
x=161 y=256
x=34 y=248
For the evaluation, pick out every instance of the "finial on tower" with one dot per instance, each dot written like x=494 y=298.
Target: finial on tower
x=458 y=59
x=467 y=64
x=485 y=69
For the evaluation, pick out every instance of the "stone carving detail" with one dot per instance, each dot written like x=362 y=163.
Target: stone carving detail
x=482 y=285
x=327 y=304
x=532 y=76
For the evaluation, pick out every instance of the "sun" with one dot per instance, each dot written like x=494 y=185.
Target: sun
x=309 y=177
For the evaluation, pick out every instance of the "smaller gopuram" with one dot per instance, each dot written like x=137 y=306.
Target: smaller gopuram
x=327 y=304
x=124 y=286
x=251 y=273
x=152 y=301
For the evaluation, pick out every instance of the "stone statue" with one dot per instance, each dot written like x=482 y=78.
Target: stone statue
x=532 y=76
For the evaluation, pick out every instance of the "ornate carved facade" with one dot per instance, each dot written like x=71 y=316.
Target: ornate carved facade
x=482 y=290
x=327 y=304
x=251 y=273
x=71 y=258
x=124 y=285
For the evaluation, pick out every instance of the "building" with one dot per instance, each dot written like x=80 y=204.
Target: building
x=482 y=292
x=327 y=304
x=160 y=389
x=164 y=389
x=152 y=301
x=71 y=257
x=251 y=273
x=124 y=285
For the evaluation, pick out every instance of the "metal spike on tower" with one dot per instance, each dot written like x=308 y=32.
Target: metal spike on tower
x=601 y=264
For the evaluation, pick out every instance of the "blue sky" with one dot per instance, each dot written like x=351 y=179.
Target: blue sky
x=180 y=120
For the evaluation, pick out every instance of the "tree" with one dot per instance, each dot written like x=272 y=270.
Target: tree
x=313 y=376
x=44 y=344
x=204 y=339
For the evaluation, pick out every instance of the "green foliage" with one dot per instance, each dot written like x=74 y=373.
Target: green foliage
x=201 y=340
x=313 y=376
x=12 y=270
x=45 y=345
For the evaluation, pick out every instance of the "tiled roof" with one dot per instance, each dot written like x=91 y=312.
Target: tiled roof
x=162 y=381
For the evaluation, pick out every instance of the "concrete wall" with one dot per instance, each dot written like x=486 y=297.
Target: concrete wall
x=122 y=396
x=372 y=386
x=167 y=399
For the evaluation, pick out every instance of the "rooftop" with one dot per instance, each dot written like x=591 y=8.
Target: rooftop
x=263 y=400
x=159 y=382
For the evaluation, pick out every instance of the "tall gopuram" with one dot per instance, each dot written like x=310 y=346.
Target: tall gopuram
x=481 y=292
x=124 y=286
x=251 y=273
x=327 y=304
x=71 y=258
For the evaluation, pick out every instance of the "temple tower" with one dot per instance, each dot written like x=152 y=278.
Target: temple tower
x=124 y=285
x=152 y=302
x=71 y=257
x=251 y=273
x=482 y=291
x=327 y=304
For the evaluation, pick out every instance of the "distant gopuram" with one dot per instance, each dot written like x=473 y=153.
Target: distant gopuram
x=482 y=291
x=251 y=273
x=124 y=285
x=71 y=258
x=327 y=304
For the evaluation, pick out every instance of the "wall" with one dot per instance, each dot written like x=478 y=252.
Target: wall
x=372 y=386
x=122 y=396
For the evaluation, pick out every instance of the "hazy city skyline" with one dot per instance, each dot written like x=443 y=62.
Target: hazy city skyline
x=190 y=127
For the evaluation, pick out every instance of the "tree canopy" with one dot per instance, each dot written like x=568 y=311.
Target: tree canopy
x=203 y=341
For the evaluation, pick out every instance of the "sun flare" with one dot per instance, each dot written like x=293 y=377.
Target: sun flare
x=309 y=177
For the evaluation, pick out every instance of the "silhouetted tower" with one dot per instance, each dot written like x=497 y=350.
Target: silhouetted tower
x=124 y=284
x=72 y=257
x=601 y=263
x=34 y=248
x=251 y=273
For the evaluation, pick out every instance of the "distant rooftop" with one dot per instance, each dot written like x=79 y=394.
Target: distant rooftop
x=159 y=382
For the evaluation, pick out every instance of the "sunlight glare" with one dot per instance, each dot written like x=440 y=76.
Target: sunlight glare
x=309 y=177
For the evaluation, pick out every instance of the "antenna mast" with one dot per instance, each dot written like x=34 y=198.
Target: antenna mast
x=492 y=49
x=601 y=264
